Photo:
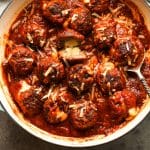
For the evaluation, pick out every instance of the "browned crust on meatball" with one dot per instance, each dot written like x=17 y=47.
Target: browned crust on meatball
x=120 y=103
x=50 y=70
x=32 y=31
x=22 y=60
x=84 y=115
x=81 y=20
x=53 y=10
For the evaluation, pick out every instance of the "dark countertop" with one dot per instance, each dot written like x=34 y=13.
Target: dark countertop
x=13 y=137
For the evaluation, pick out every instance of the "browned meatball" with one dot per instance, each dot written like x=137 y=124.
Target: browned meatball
x=83 y=114
x=104 y=32
x=80 y=20
x=80 y=77
x=146 y=68
x=31 y=31
x=127 y=49
x=28 y=98
x=110 y=78
x=137 y=88
x=30 y=103
x=124 y=27
x=50 y=70
x=56 y=108
x=104 y=112
x=53 y=10
x=127 y=52
x=22 y=60
x=98 y=6
x=120 y=103
x=69 y=33
x=53 y=113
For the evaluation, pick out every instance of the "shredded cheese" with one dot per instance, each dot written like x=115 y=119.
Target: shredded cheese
x=74 y=17
x=24 y=86
x=48 y=94
x=48 y=71
x=16 y=24
x=28 y=59
x=29 y=37
x=65 y=12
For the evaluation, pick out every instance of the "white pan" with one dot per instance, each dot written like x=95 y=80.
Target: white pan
x=5 y=22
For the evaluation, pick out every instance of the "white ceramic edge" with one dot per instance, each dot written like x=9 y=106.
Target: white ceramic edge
x=3 y=7
x=63 y=141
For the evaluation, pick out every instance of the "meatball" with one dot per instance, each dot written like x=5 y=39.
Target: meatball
x=104 y=32
x=22 y=60
x=53 y=10
x=105 y=118
x=127 y=48
x=69 y=33
x=110 y=78
x=53 y=113
x=87 y=44
x=83 y=114
x=120 y=103
x=31 y=31
x=98 y=6
x=124 y=27
x=146 y=68
x=56 y=108
x=102 y=106
x=50 y=70
x=137 y=88
x=28 y=98
x=127 y=52
x=80 y=77
x=80 y=20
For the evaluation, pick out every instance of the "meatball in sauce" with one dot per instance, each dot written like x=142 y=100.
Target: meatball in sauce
x=22 y=60
x=30 y=30
x=83 y=114
x=110 y=78
x=50 y=70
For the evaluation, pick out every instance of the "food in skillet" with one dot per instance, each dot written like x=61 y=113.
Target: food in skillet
x=65 y=63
